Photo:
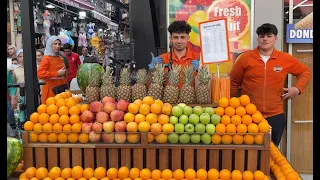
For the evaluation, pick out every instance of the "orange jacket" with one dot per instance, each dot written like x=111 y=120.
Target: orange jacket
x=264 y=83
x=48 y=71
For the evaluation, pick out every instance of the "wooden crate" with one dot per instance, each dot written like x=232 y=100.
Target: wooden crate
x=145 y=155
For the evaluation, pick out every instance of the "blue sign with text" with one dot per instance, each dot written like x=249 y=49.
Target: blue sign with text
x=299 y=35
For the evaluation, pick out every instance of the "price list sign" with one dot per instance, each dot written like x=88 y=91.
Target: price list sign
x=214 y=41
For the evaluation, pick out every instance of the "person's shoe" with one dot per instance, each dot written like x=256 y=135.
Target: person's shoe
x=13 y=133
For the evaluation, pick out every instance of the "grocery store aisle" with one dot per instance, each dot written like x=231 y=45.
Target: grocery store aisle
x=306 y=176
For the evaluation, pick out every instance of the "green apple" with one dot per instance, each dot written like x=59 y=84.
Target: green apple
x=179 y=128
x=206 y=138
x=195 y=138
x=194 y=119
x=215 y=119
x=200 y=128
x=209 y=110
x=173 y=138
x=174 y=120
x=182 y=105
x=177 y=111
x=187 y=110
x=189 y=128
x=184 y=138
x=198 y=110
x=210 y=129
x=205 y=118
x=183 y=119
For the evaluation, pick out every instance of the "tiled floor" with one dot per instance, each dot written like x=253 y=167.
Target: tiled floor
x=306 y=176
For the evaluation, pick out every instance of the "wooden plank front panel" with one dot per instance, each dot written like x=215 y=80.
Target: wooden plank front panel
x=88 y=158
x=41 y=157
x=214 y=159
x=101 y=158
x=76 y=156
x=239 y=160
x=265 y=162
x=163 y=159
x=227 y=159
x=52 y=157
x=126 y=158
x=176 y=159
x=64 y=158
x=188 y=158
x=113 y=158
x=138 y=158
x=201 y=159
x=28 y=157
x=151 y=158
x=252 y=160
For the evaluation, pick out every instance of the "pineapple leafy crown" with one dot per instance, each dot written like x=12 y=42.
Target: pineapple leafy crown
x=158 y=74
x=174 y=74
x=94 y=78
x=188 y=75
x=107 y=76
x=125 y=76
x=141 y=76
x=204 y=75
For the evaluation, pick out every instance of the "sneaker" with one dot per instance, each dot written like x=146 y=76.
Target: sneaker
x=13 y=133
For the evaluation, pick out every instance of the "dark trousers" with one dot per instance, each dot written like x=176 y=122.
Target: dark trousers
x=277 y=122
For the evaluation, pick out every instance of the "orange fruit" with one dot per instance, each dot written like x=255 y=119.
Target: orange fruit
x=166 y=109
x=123 y=172
x=93 y=178
x=64 y=95
x=150 y=137
x=156 y=128
x=220 y=128
x=68 y=93
x=263 y=127
x=52 y=109
x=43 y=118
x=74 y=110
x=76 y=127
x=251 y=108
x=225 y=119
x=47 y=127
x=258 y=175
x=100 y=172
x=247 y=175
x=57 y=127
x=230 y=111
x=52 y=137
x=33 y=137
x=28 y=126
x=156 y=108
x=226 y=139
x=156 y=174
x=63 y=110
x=74 y=119
x=144 y=109
x=234 y=102
x=128 y=117
x=133 y=108
x=64 y=119
x=67 y=128
x=112 y=173
x=66 y=173
x=169 y=128
x=61 y=102
x=134 y=173
x=241 y=128
x=253 y=128
x=202 y=174
x=30 y=172
x=41 y=173
x=34 y=117
x=37 y=128
x=241 y=111
x=257 y=117
x=84 y=138
x=292 y=176
x=58 y=96
x=231 y=128
x=50 y=101
x=258 y=139
x=62 y=138
x=178 y=174
x=105 y=178
x=84 y=107
x=246 y=119
x=70 y=102
x=163 y=119
x=248 y=139
x=139 y=118
x=158 y=101
x=213 y=174
x=216 y=139
x=190 y=174
x=54 y=118
x=237 y=139
x=224 y=102
x=138 y=102
x=161 y=138
x=236 y=120
x=220 y=111
x=244 y=100
x=42 y=108
x=54 y=172
x=73 y=137
x=145 y=173
x=77 y=172
x=148 y=100
x=225 y=174
x=236 y=175
x=166 y=174
x=144 y=126
x=151 y=118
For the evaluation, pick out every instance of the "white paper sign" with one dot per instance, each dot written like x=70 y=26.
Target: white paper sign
x=214 y=42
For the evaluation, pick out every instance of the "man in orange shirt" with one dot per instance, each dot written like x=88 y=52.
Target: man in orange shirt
x=261 y=74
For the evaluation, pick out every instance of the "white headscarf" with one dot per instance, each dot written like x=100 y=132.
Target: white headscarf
x=48 y=50
x=18 y=52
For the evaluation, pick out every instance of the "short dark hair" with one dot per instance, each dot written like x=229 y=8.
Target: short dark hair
x=67 y=46
x=266 y=29
x=179 y=27
x=14 y=59
x=40 y=51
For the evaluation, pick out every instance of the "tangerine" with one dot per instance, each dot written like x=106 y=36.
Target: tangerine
x=57 y=127
x=33 y=137
x=257 y=117
x=223 y=102
x=128 y=117
x=34 y=117
x=134 y=173
x=41 y=173
x=241 y=111
x=84 y=107
x=47 y=127
x=43 y=118
x=247 y=175
x=158 y=101
x=42 y=108
x=77 y=171
x=74 y=110
x=237 y=139
x=52 y=137
x=246 y=119
x=62 y=138
x=144 y=127
x=216 y=139
x=231 y=128
x=30 y=172
x=258 y=139
x=166 y=109
x=73 y=137
x=37 y=128
x=236 y=120
x=166 y=174
x=161 y=138
x=70 y=102
x=190 y=174
x=64 y=119
x=178 y=174
x=156 y=108
x=61 y=102
x=84 y=138
x=241 y=128
x=67 y=128
x=145 y=173
x=202 y=174
x=225 y=174
x=63 y=110
x=133 y=108
x=148 y=100
x=151 y=118
x=112 y=173
x=52 y=109
x=54 y=118
x=144 y=109
x=234 y=102
x=226 y=139
x=263 y=127
x=230 y=111
x=50 y=101
x=76 y=127
x=225 y=119
x=163 y=119
x=220 y=128
x=251 y=108
x=28 y=126
x=100 y=172
x=220 y=111
x=54 y=172
x=236 y=175
x=139 y=118
x=248 y=139
x=258 y=175
x=74 y=119
x=66 y=173
x=253 y=128
x=213 y=174
x=244 y=100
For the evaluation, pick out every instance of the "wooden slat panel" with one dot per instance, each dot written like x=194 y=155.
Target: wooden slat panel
x=201 y=159
x=163 y=159
x=214 y=159
x=126 y=158
x=176 y=159
x=188 y=158
x=138 y=158
x=40 y=157
x=151 y=158
x=88 y=158
x=52 y=157
x=239 y=160
x=64 y=158
x=265 y=162
x=101 y=158
x=28 y=157
x=113 y=158
x=227 y=159
x=252 y=160
x=76 y=157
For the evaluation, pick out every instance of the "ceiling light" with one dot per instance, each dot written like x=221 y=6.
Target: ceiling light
x=82 y=13
x=50 y=6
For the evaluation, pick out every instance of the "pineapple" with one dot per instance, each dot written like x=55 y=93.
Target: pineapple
x=203 y=91
x=107 y=88
x=139 y=90
x=92 y=90
x=187 y=91
x=156 y=87
x=171 y=91
x=124 y=89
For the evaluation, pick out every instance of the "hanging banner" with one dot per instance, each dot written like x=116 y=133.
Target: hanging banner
x=302 y=31
x=77 y=3
x=237 y=13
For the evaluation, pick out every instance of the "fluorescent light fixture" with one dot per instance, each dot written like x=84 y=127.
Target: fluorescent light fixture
x=50 y=6
x=82 y=13
x=298 y=5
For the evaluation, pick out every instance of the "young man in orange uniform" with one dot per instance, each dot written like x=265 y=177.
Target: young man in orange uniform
x=181 y=54
x=261 y=74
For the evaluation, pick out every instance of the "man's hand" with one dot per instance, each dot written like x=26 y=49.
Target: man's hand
x=291 y=93
x=154 y=61
x=195 y=64
x=62 y=72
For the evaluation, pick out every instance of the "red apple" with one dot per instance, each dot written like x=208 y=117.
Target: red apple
x=96 y=106
x=94 y=137
x=122 y=105
x=107 y=99
x=120 y=138
x=97 y=127
x=108 y=126
x=107 y=137
x=102 y=117
x=109 y=107
x=120 y=126
x=87 y=116
x=86 y=127
x=117 y=115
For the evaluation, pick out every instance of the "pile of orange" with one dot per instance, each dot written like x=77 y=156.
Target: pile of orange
x=149 y=115
x=280 y=167
x=124 y=173
x=56 y=121
x=241 y=122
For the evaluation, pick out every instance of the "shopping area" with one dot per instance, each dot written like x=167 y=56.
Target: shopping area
x=119 y=124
